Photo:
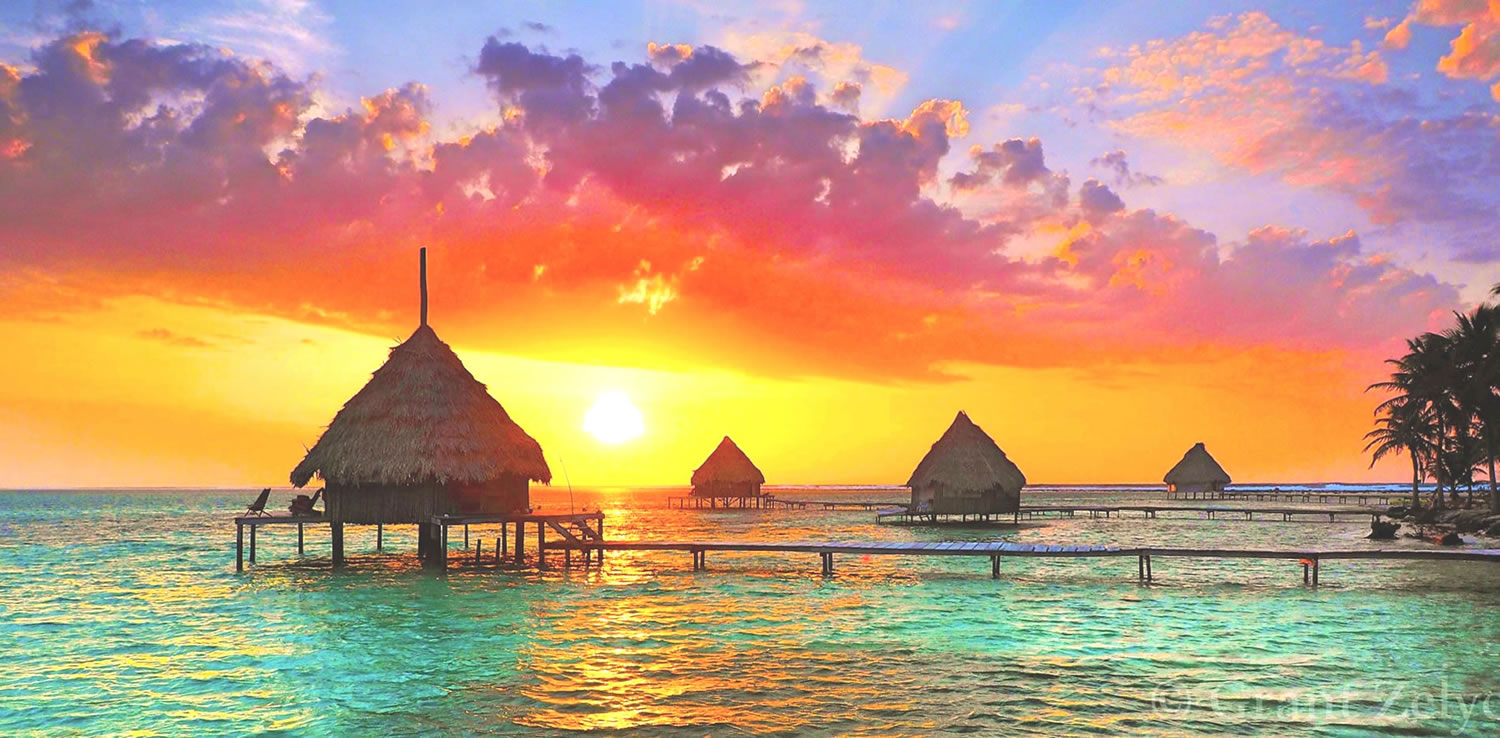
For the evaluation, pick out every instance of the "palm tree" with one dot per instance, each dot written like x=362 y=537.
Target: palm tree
x=1423 y=377
x=1403 y=426
x=1476 y=353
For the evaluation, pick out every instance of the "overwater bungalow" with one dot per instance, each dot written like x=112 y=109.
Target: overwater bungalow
x=1197 y=473
x=727 y=472
x=423 y=438
x=965 y=473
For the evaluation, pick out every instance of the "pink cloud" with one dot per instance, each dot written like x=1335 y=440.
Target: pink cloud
x=1267 y=100
x=665 y=202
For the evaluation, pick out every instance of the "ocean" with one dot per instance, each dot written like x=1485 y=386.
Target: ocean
x=121 y=613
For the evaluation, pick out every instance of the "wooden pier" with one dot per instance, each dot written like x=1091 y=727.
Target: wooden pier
x=997 y=550
x=719 y=502
x=1029 y=512
x=577 y=528
x=1358 y=497
x=767 y=502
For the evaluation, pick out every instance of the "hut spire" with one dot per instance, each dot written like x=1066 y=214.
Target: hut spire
x=422 y=277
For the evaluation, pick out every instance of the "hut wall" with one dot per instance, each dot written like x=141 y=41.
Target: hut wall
x=1196 y=487
x=940 y=499
x=727 y=489
x=384 y=504
x=418 y=503
x=511 y=494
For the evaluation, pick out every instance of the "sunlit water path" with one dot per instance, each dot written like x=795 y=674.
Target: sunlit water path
x=120 y=611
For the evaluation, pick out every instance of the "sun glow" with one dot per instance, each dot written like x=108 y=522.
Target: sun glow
x=613 y=419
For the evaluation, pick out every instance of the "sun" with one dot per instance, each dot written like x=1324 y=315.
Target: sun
x=613 y=419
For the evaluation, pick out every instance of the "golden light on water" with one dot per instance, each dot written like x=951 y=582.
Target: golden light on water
x=613 y=418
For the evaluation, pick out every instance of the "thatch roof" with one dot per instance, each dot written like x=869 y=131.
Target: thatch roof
x=1197 y=467
x=728 y=464
x=966 y=458
x=422 y=418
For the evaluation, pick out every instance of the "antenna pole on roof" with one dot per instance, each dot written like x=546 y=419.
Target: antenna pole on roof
x=422 y=259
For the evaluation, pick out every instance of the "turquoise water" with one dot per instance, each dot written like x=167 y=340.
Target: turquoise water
x=121 y=612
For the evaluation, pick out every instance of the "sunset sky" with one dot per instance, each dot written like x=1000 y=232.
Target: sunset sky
x=1107 y=230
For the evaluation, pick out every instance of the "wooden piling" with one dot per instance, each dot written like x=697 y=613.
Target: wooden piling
x=299 y=539
x=520 y=543
x=252 y=543
x=541 y=546
x=336 y=535
x=239 y=547
x=380 y=537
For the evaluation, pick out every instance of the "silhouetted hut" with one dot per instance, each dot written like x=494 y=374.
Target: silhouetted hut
x=965 y=472
x=422 y=438
x=727 y=472
x=1197 y=472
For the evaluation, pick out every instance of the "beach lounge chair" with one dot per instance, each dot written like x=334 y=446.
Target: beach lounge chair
x=259 y=506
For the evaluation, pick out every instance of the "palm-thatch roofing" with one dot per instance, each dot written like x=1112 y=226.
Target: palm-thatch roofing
x=422 y=419
x=966 y=458
x=728 y=465
x=1197 y=467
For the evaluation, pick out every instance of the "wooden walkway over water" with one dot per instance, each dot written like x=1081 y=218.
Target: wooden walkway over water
x=997 y=550
x=764 y=502
x=1210 y=512
x=1320 y=496
x=577 y=528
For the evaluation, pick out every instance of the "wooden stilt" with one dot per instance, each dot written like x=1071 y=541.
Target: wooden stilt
x=239 y=547
x=477 y=545
x=1315 y=571
x=380 y=537
x=994 y=567
x=499 y=545
x=299 y=539
x=1148 y=569
x=252 y=543
x=336 y=535
x=541 y=546
x=520 y=544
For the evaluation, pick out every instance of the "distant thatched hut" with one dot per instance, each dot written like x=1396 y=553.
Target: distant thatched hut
x=965 y=472
x=727 y=472
x=422 y=438
x=1197 y=472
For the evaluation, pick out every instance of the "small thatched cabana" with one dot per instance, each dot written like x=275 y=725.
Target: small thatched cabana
x=965 y=472
x=422 y=438
x=1197 y=472
x=727 y=472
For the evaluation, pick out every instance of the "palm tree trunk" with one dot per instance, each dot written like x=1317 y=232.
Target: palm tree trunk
x=1494 y=493
x=1416 y=480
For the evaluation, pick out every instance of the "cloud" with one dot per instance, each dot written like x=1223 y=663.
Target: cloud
x=786 y=54
x=172 y=339
x=1475 y=52
x=1265 y=100
x=289 y=33
x=1119 y=164
x=626 y=209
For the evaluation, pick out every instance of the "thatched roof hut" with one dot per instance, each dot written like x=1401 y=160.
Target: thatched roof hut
x=727 y=472
x=966 y=472
x=1197 y=472
x=422 y=438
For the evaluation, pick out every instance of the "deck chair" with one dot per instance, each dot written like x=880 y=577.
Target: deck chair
x=259 y=506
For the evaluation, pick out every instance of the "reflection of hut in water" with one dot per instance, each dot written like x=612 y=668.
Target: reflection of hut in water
x=727 y=472
x=965 y=472
x=422 y=438
x=1197 y=473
